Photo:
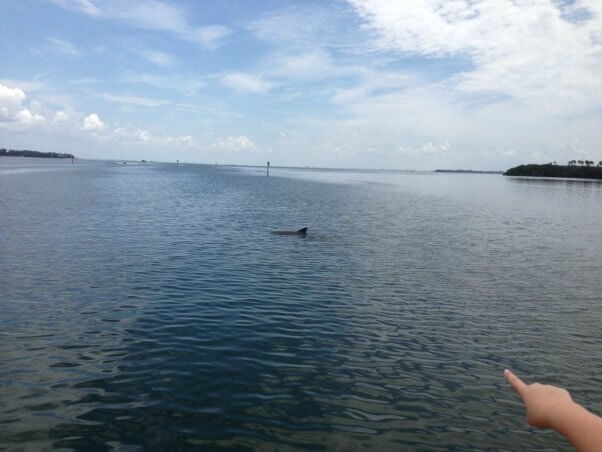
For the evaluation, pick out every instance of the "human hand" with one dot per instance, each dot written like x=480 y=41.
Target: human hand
x=543 y=403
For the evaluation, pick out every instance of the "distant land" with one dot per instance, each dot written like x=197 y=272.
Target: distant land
x=466 y=171
x=26 y=153
x=585 y=171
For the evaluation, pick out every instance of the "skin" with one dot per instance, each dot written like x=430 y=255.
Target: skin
x=552 y=407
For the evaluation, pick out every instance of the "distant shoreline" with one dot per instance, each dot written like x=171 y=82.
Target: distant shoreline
x=551 y=170
x=27 y=153
x=467 y=171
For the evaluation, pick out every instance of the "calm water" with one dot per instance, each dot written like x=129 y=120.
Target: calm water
x=150 y=307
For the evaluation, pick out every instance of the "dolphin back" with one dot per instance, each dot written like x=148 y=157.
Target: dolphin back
x=302 y=231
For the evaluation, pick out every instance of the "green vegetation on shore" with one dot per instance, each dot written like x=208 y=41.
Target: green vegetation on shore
x=585 y=170
x=26 y=153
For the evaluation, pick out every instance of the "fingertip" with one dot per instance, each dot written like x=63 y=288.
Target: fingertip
x=517 y=384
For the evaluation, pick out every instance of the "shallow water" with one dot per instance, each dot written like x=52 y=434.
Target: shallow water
x=150 y=307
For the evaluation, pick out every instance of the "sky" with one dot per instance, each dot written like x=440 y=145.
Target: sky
x=383 y=84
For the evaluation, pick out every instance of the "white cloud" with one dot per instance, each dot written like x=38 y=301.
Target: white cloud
x=155 y=57
x=181 y=140
x=209 y=37
x=10 y=102
x=373 y=83
x=25 y=85
x=83 y=6
x=92 y=123
x=186 y=85
x=305 y=25
x=287 y=26
x=247 y=82
x=13 y=114
x=142 y=135
x=128 y=103
x=25 y=117
x=131 y=136
x=310 y=65
x=401 y=124
x=148 y=14
x=529 y=51
x=146 y=137
x=85 y=81
x=134 y=100
x=60 y=117
x=427 y=148
x=17 y=116
x=233 y=144
x=151 y=15
x=62 y=47
x=286 y=70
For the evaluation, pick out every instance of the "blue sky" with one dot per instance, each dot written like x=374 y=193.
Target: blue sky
x=360 y=83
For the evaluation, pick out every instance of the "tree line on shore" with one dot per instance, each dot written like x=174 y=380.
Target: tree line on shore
x=28 y=153
x=584 y=162
x=582 y=169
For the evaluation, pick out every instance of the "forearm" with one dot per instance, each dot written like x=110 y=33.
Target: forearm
x=580 y=427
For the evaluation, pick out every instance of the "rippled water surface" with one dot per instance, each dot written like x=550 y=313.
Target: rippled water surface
x=150 y=307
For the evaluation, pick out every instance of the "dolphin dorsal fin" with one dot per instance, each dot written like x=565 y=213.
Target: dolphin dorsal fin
x=302 y=231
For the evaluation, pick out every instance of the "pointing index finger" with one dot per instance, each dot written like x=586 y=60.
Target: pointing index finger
x=517 y=384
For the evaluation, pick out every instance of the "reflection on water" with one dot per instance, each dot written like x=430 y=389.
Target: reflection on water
x=151 y=307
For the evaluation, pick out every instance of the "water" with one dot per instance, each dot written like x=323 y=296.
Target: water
x=150 y=307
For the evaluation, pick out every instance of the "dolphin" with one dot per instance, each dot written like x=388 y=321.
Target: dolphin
x=301 y=232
